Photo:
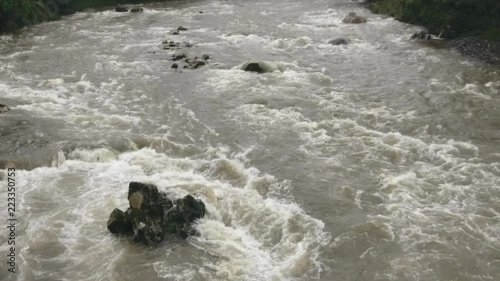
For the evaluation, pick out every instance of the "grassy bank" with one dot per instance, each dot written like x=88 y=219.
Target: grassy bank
x=15 y=14
x=454 y=18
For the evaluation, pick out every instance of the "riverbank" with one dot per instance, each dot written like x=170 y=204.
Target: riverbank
x=20 y=13
x=450 y=18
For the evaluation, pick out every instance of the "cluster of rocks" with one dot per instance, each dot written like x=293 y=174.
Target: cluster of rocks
x=182 y=57
x=152 y=215
x=190 y=63
x=351 y=18
x=4 y=108
x=478 y=48
x=172 y=45
x=178 y=30
x=123 y=9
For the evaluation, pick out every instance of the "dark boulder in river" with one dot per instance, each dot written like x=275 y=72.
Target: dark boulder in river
x=4 y=108
x=338 y=41
x=121 y=9
x=152 y=215
x=260 y=66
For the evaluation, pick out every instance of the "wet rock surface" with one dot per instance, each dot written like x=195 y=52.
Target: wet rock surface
x=338 y=41
x=152 y=215
x=352 y=17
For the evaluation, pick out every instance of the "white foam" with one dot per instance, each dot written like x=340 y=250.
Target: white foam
x=255 y=237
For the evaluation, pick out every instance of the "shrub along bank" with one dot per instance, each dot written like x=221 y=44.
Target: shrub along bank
x=15 y=14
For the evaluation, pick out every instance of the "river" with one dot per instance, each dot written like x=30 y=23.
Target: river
x=377 y=160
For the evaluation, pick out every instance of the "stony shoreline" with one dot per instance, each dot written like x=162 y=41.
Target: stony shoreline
x=472 y=28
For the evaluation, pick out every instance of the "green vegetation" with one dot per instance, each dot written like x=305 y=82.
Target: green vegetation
x=18 y=13
x=452 y=18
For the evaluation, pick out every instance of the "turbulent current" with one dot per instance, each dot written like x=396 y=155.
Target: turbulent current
x=376 y=160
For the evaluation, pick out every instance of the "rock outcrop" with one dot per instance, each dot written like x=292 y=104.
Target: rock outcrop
x=352 y=17
x=152 y=215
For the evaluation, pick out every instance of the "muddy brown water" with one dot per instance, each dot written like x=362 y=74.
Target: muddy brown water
x=377 y=160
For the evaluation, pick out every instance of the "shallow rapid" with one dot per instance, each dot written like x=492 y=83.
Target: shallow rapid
x=376 y=160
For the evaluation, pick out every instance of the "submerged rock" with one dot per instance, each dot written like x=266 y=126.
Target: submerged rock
x=181 y=28
x=4 y=108
x=352 y=17
x=260 y=66
x=151 y=215
x=121 y=9
x=137 y=10
x=338 y=41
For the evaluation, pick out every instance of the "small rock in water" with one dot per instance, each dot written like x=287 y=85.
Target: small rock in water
x=180 y=28
x=174 y=32
x=152 y=215
x=260 y=66
x=338 y=41
x=201 y=12
x=4 y=108
x=121 y=9
x=352 y=17
x=205 y=57
x=175 y=66
x=137 y=10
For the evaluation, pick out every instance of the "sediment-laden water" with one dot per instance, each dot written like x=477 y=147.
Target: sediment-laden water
x=377 y=160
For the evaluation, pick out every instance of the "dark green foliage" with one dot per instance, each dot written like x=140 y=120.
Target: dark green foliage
x=18 y=13
x=452 y=18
